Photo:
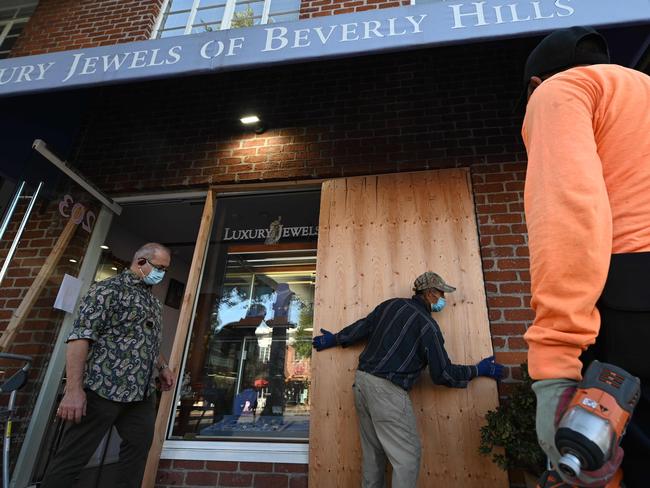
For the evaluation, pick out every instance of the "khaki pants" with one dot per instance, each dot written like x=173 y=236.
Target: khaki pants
x=388 y=431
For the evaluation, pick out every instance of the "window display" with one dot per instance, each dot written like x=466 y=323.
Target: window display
x=247 y=369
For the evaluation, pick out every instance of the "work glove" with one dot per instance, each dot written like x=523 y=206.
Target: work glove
x=488 y=367
x=553 y=397
x=551 y=479
x=324 y=341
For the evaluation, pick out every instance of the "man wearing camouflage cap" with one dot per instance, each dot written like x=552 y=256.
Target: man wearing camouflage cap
x=403 y=339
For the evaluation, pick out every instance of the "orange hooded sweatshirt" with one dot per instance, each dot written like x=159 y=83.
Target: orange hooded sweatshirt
x=587 y=196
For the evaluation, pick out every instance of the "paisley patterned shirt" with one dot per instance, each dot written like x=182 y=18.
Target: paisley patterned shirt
x=123 y=321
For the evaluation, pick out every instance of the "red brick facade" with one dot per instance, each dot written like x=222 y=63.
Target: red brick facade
x=218 y=473
x=59 y=25
x=498 y=196
x=425 y=109
x=322 y=8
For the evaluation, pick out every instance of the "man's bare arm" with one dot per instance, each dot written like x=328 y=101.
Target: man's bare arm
x=73 y=404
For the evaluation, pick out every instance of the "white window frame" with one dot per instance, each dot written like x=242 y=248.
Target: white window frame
x=258 y=452
x=7 y=24
x=159 y=20
x=226 y=20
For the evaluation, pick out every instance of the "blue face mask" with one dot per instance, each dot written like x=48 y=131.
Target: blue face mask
x=154 y=277
x=439 y=305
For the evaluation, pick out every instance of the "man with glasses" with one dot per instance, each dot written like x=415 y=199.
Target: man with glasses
x=112 y=355
x=403 y=339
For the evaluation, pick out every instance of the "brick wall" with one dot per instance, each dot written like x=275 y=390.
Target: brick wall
x=39 y=331
x=321 y=8
x=216 y=473
x=498 y=196
x=59 y=25
x=398 y=112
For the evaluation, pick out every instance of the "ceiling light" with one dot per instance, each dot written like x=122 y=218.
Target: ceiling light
x=114 y=268
x=104 y=246
x=73 y=260
x=250 y=119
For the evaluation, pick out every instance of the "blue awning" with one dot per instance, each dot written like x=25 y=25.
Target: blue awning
x=437 y=23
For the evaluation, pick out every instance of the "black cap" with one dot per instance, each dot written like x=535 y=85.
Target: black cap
x=558 y=51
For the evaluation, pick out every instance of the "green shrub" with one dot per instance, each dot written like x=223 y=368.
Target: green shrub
x=512 y=427
x=243 y=18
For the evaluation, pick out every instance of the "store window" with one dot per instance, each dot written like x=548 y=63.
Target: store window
x=14 y=15
x=247 y=371
x=194 y=16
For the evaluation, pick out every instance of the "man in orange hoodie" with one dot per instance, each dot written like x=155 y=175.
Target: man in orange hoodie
x=587 y=204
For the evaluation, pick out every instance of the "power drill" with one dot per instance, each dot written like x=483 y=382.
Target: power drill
x=596 y=418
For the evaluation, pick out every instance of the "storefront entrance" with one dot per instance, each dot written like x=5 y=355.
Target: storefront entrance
x=239 y=320
x=174 y=223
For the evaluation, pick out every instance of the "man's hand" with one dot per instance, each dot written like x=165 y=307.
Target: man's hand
x=324 y=341
x=166 y=379
x=488 y=367
x=553 y=397
x=73 y=405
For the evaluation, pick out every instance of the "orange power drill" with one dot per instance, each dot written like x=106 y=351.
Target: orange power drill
x=596 y=418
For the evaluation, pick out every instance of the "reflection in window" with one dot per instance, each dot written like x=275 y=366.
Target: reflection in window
x=194 y=16
x=248 y=370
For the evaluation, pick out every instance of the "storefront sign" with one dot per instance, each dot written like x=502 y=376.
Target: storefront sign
x=435 y=23
x=273 y=234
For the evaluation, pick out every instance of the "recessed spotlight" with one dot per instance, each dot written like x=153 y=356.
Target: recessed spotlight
x=73 y=260
x=250 y=119
x=113 y=268
x=104 y=246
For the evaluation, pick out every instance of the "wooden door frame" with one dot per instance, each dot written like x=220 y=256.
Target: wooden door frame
x=182 y=329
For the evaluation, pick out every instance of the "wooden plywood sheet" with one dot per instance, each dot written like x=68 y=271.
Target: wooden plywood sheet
x=376 y=234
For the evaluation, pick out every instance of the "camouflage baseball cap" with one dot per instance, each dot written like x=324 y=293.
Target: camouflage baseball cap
x=431 y=280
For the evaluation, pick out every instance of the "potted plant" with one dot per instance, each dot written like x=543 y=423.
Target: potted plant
x=512 y=427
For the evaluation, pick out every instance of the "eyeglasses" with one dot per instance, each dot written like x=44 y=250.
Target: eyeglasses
x=158 y=267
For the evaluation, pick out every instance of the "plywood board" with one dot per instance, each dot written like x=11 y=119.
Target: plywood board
x=376 y=234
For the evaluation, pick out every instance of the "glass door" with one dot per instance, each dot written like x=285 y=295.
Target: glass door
x=246 y=375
